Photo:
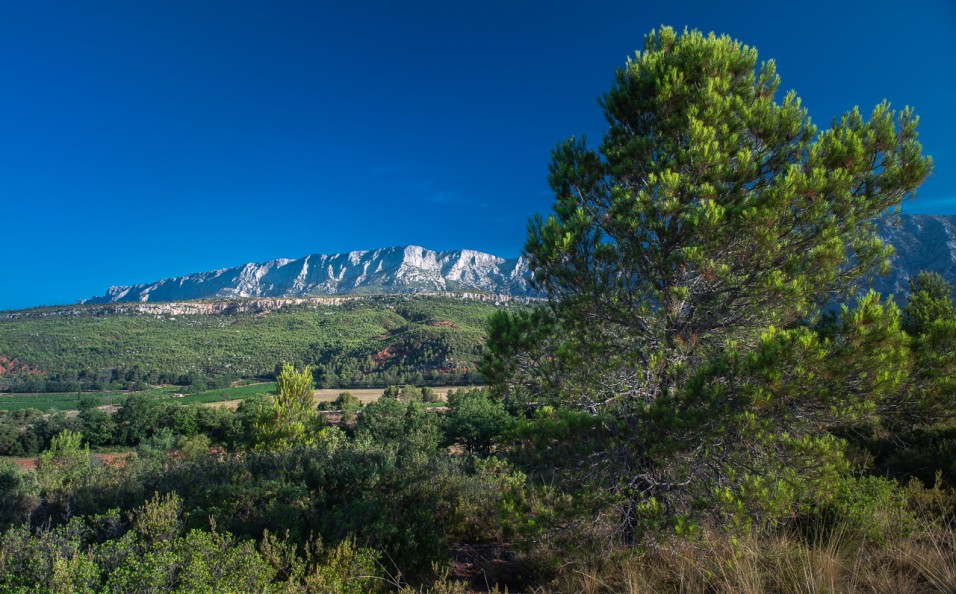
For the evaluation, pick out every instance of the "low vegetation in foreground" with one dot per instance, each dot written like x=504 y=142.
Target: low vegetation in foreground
x=684 y=414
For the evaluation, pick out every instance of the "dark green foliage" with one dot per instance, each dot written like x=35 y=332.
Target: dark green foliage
x=681 y=260
x=930 y=300
x=528 y=358
x=930 y=319
x=406 y=426
x=153 y=553
x=137 y=419
x=373 y=341
x=405 y=499
x=926 y=454
x=18 y=432
x=97 y=427
x=346 y=401
x=913 y=433
x=475 y=421
x=709 y=213
x=19 y=494
x=775 y=403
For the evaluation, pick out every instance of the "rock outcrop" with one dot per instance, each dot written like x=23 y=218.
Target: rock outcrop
x=410 y=269
x=922 y=242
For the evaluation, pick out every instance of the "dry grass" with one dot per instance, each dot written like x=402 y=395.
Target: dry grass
x=365 y=395
x=784 y=564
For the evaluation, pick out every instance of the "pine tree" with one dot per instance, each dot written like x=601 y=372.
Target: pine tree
x=709 y=213
x=290 y=418
x=681 y=263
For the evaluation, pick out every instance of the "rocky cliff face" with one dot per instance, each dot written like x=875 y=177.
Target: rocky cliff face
x=255 y=305
x=922 y=242
x=389 y=270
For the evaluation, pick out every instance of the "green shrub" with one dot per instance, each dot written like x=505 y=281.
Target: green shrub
x=475 y=421
x=870 y=509
x=19 y=494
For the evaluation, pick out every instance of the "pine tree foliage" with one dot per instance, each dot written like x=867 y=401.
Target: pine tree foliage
x=709 y=212
x=682 y=261
x=930 y=300
x=290 y=418
x=930 y=319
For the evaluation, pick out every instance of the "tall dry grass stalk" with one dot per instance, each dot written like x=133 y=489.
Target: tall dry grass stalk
x=784 y=563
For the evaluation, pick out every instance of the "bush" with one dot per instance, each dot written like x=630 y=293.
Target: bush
x=870 y=509
x=346 y=402
x=19 y=494
x=475 y=421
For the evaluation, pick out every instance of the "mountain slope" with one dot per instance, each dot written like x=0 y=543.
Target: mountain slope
x=388 y=270
x=922 y=242
x=350 y=341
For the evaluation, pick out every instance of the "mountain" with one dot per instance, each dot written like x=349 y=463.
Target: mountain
x=409 y=269
x=922 y=242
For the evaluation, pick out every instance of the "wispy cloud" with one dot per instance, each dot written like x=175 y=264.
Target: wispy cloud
x=402 y=176
x=935 y=205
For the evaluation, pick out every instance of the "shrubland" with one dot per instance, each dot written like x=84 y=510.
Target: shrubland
x=687 y=412
x=367 y=342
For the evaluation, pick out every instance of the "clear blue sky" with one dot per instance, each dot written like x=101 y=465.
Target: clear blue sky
x=141 y=140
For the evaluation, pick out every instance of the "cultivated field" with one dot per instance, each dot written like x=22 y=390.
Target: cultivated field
x=365 y=395
x=227 y=397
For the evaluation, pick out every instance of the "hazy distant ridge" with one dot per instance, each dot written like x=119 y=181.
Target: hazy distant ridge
x=922 y=242
x=388 y=270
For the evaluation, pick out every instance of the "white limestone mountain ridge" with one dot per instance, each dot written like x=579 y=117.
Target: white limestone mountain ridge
x=922 y=242
x=406 y=269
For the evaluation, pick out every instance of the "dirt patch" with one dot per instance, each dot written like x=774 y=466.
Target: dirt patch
x=116 y=460
x=443 y=324
x=9 y=366
x=24 y=463
x=383 y=355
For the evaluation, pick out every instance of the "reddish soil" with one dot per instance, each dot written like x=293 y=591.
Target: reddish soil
x=24 y=463
x=10 y=365
x=383 y=355
x=115 y=460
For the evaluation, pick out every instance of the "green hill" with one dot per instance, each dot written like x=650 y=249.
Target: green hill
x=356 y=342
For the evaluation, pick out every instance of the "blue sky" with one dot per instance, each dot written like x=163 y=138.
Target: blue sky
x=141 y=140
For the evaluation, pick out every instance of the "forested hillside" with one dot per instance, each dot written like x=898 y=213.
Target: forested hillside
x=370 y=341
